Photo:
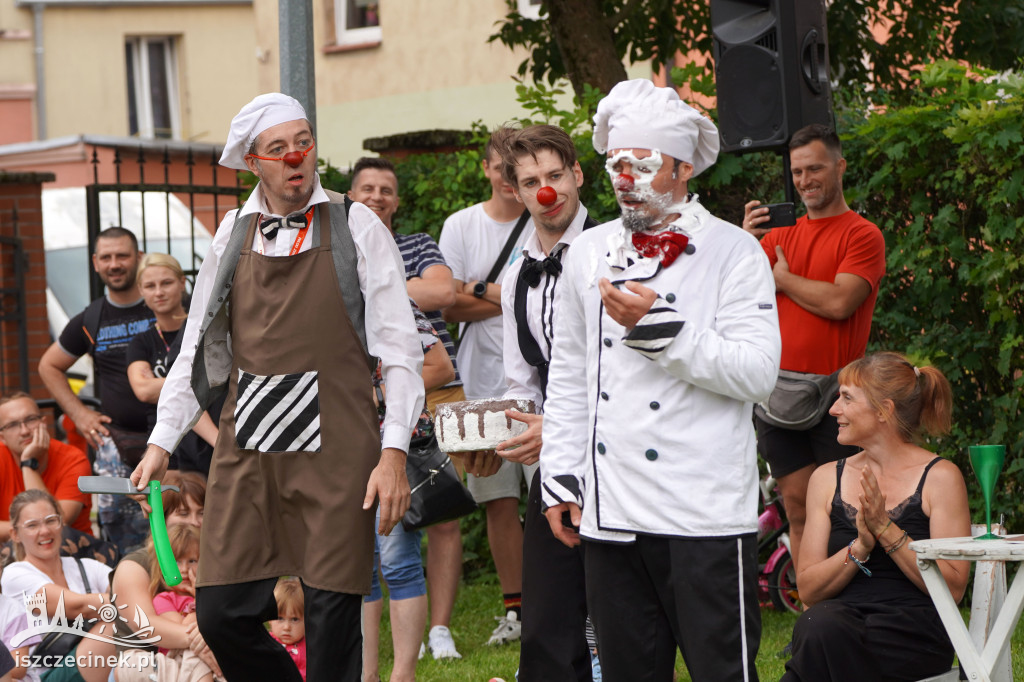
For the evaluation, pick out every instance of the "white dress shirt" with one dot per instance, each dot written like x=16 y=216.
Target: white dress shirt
x=658 y=439
x=522 y=378
x=390 y=329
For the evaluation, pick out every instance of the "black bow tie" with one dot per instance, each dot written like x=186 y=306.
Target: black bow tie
x=270 y=226
x=533 y=268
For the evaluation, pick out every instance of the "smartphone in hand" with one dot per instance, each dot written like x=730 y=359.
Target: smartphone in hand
x=779 y=215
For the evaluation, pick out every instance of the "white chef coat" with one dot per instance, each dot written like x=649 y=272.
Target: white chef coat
x=522 y=378
x=661 y=442
x=390 y=329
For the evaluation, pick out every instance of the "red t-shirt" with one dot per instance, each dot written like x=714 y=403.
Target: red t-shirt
x=821 y=249
x=65 y=464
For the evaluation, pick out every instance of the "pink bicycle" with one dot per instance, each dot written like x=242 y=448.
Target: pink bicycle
x=777 y=577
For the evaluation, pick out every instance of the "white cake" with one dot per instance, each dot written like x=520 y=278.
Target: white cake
x=478 y=424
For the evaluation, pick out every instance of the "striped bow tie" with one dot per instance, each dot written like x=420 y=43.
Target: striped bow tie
x=270 y=226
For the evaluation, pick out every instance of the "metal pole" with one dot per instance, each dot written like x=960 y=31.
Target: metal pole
x=37 y=30
x=298 y=77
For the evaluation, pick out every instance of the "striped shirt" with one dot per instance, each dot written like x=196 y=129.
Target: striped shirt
x=419 y=252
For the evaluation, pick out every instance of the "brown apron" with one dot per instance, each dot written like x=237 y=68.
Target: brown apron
x=284 y=498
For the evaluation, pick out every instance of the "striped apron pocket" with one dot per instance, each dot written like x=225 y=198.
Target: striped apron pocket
x=278 y=413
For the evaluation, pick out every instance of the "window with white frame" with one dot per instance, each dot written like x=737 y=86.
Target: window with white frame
x=152 y=71
x=529 y=8
x=357 y=22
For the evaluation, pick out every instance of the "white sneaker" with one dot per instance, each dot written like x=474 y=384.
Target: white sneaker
x=441 y=643
x=509 y=629
x=423 y=650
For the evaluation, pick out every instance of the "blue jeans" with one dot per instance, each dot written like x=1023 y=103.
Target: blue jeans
x=401 y=563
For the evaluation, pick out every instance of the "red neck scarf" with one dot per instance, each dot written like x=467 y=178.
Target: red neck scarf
x=666 y=245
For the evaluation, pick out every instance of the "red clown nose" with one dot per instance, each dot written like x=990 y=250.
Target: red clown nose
x=547 y=196
x=294 y=159
x=623 y=183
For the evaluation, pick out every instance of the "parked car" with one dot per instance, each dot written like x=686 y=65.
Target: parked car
x=68 y=261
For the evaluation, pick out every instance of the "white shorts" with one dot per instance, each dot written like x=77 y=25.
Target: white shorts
x=508 y=482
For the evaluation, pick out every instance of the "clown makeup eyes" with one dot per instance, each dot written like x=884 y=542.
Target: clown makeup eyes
x=642 y=171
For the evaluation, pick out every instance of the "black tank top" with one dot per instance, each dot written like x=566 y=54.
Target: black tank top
x=887 y=582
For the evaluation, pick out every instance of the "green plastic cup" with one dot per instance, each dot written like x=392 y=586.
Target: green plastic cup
x=987 y=462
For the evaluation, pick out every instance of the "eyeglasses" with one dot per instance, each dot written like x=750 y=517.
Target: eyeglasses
x=53 y=522
x=27 y=421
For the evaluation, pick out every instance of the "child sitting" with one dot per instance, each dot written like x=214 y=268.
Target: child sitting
x=179 y=604
x=290 y=627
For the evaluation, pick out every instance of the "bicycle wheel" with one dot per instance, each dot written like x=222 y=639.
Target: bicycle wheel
x=782 y=587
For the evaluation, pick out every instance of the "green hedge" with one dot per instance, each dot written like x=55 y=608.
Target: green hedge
x=944 y=179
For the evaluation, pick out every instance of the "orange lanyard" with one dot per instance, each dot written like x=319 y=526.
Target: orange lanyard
x=299 y=238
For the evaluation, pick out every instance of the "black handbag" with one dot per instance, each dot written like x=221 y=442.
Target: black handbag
x=57 y=645
x=438 y=494
x=131 y=445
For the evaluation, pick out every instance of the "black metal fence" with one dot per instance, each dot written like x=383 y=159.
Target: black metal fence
x=221 y=193
x=13 y=307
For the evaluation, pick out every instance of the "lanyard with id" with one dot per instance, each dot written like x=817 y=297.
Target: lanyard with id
x=299 y=238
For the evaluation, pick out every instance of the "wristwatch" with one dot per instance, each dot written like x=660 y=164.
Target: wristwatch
x=31 y=463
x=480 y=289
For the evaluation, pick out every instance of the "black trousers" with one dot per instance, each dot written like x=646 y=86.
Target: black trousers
x=835 y=641
x=231 y=619
x=553 y=645
x=700 y=594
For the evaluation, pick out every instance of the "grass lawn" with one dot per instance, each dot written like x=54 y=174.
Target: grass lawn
x=479 y=603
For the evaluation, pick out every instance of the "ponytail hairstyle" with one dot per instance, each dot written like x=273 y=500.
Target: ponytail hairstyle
x=922 y=400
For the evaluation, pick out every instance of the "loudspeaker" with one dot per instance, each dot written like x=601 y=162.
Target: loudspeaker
x=771 y=71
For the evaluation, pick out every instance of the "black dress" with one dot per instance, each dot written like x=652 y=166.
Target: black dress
x=881 y=627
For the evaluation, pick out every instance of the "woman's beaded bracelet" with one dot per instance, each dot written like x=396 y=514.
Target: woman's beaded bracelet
x=858 y=562
x=899 y=543
x=879 y=536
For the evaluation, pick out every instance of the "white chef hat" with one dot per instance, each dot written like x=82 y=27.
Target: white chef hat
x=265 y=111
x=637 y=114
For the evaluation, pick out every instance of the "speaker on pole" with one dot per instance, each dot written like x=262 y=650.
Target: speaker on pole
x=771 y=71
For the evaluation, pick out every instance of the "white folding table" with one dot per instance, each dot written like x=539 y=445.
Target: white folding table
x=981 y=655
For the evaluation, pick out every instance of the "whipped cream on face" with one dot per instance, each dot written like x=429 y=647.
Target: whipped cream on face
x=643 y=170
x=636 y=186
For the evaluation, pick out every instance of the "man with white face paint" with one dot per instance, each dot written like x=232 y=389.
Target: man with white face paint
x=667 y=333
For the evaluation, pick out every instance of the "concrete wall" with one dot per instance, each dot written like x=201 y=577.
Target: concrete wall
x=433 y=69
x=85 y=73
x=17 y=74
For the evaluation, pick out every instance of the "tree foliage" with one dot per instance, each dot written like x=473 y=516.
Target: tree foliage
x=943 y=177
x=985 y=32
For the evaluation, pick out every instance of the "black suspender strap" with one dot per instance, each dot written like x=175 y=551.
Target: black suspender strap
x=528 y=345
